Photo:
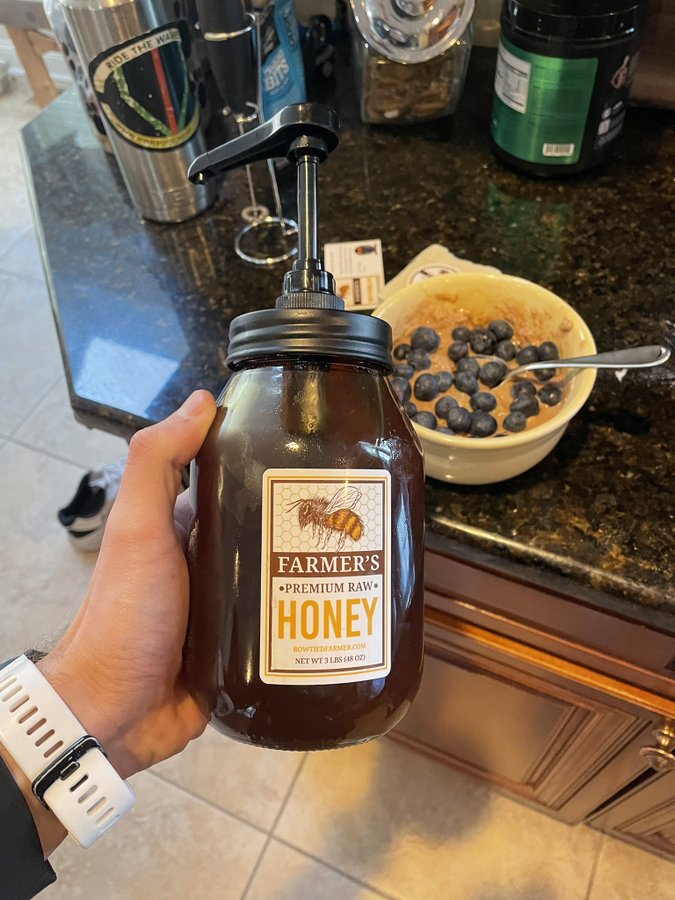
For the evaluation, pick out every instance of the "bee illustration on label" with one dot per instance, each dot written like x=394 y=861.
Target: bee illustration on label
x=329 y=516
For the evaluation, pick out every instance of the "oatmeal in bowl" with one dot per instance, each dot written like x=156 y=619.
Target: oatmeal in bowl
x=456 y=337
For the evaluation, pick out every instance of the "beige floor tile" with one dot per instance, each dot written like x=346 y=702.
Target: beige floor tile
x=23 y=257
x=170 y=847
x=17 y=106
x=16 y=215
x=247 y=781
x=626 y=873
x=285 y=874
x=30 y=360
x=43 y=579
x=52 y=427
x=414 y=828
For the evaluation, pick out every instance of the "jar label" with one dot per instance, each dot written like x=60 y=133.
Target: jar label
x=325 y=613
x=144 y=89
x=541 y=104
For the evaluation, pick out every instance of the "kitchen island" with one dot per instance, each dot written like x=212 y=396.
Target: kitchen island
x=550 y=597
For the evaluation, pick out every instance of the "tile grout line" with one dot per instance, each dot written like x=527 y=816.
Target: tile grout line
x=594 y=867
x=209 y=803
x=323 y=862
x=256 y=867
x=56 y=456
x=43 y=396
x=22 y=275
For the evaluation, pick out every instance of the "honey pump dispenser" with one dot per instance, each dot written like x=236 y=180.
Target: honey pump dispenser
x=306 y=547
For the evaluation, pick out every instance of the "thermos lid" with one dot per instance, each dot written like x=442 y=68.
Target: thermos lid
x=307 y=334
x=575 y=20
x=412 y=31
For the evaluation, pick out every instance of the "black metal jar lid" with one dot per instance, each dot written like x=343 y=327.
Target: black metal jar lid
x=307 y=333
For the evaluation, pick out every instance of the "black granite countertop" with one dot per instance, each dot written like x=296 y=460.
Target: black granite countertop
x=142 y=312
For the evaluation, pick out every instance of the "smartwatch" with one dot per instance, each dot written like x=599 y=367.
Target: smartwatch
x=68 y=769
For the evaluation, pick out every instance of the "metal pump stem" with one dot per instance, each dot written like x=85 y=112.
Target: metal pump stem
x=308 y=239
x=308 y=285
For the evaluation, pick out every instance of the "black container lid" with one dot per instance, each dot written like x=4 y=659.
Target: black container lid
x=578 y=20
x=306 y=333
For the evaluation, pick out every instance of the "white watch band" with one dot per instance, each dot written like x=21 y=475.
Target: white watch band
x=37 y=728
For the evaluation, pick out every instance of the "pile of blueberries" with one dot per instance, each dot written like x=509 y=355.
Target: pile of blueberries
x=409 y=380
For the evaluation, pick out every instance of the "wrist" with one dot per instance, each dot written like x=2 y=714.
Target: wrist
x=74 y=681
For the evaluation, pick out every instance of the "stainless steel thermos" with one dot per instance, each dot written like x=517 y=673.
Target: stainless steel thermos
x=140 y=63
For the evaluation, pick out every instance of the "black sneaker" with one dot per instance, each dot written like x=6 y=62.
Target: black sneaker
x=85 y=516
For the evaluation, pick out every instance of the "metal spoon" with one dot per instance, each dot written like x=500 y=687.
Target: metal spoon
x=632 y=358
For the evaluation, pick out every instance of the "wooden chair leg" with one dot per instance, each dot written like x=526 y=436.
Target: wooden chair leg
x=29 y=46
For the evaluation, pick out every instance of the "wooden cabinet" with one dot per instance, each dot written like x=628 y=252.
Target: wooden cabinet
x=554 y=719
x=644 y=814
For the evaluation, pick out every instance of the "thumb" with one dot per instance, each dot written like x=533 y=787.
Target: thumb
x=152 y=475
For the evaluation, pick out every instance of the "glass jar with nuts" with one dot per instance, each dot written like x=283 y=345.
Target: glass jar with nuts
x=410 y=58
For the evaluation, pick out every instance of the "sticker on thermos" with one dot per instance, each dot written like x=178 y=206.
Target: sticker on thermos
x=145 y=91
x=325 y=576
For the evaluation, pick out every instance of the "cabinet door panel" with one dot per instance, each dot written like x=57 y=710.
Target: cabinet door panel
x=644 y=816
x=494 y=714
x=474 y=716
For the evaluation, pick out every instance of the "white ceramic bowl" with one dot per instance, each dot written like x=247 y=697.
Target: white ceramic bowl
x=534 y=312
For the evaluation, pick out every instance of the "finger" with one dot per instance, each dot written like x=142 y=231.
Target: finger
x=157 y=454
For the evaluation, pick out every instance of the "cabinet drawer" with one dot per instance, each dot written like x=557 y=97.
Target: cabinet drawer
x=572 y=630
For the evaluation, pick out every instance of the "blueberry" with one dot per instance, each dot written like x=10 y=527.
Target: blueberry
x=544 y=374
x=482 y=424
x=468 y=364
x=445 y=380
x=492 y=373
x=520 y=388
x=419 y=359
x=482 y=341
x=501 y=329
x=548 y=350
x=506 y=350
x=445 y=430
x=424 y=338
x=458 y=350
x=410 y=408
x=401 y=351
x=427 y=419
x=401 y=387
x=461 y=333
x=443 y=407
x=426 y=387
x=459 y=419
x=515 y=421
x=466 y=382
x=550 y=394
x=527 y=355
x=403 y=371
x=484 y=401
x=526 y=404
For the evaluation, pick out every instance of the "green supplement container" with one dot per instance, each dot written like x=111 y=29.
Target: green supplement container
x=564 y=71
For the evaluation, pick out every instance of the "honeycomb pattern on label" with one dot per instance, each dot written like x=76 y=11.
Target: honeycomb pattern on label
x=288 y=537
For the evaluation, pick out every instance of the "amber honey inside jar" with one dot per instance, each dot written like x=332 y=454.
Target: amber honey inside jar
x=306 y=557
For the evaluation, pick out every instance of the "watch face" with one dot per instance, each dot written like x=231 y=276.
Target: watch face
x=429 y=272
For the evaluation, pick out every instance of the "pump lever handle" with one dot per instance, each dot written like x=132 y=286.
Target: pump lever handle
x=302 y=128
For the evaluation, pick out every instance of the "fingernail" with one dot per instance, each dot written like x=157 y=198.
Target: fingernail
x=193 y=405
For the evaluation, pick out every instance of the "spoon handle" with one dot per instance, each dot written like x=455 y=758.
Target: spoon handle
x=631 y=358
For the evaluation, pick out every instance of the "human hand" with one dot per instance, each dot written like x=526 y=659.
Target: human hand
x=119 y=664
